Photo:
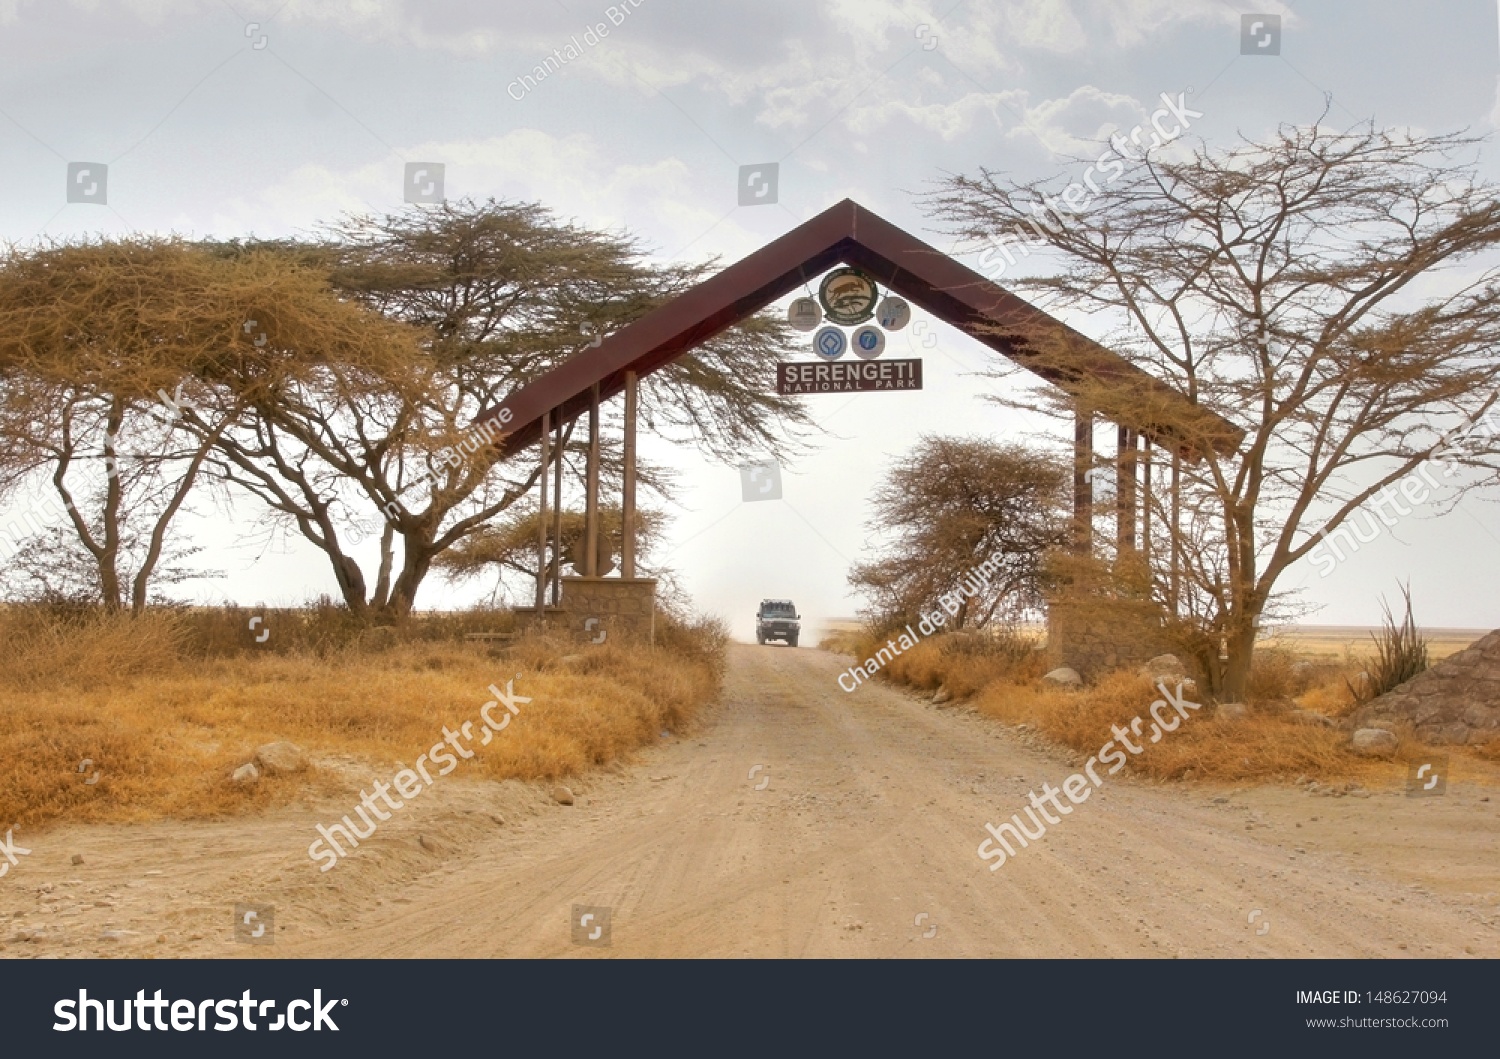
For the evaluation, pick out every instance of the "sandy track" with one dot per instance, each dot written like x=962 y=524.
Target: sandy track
x=875 y=806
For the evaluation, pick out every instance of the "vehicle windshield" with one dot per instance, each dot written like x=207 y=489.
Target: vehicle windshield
x=777 y=610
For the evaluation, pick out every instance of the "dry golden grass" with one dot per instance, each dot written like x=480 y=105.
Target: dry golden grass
x=1265 y=746
x=964 y=662
x=165 y=730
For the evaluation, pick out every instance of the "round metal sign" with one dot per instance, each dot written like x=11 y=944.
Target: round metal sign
x=830 y=343
x=848 y=296
x=893 y=314
x=804 y=314
x=868 y=343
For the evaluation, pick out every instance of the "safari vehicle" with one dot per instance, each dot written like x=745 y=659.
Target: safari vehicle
x=777 y=619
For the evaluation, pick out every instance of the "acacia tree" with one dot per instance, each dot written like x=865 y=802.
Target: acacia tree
x=502 y=292
x=1306 y=289
x=507 y=548
x=96 y=342
x=949 y=505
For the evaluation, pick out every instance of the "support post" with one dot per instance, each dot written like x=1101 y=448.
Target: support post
x=627 y=490
x=1146 y=501
x=541 y=527
x=557 y=473
x=1125 y=487
x=591 y=499
x=1083 y=490
x=1176 y=530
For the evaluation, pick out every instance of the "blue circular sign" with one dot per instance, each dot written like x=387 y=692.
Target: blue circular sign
x=830 y=343
x=869 y=342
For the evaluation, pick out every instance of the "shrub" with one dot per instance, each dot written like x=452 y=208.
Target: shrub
x=1400 y=654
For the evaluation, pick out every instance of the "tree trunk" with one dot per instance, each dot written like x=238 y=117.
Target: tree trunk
x=1240 y=643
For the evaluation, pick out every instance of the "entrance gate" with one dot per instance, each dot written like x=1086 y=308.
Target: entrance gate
x=1102 y=383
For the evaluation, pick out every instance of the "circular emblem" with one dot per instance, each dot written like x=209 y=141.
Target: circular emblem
x=848 y=296
x=869 y=342
x=830 y=343
x=804 y=314
x=893 y=314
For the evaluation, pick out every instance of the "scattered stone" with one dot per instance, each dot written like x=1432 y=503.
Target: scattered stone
x=1232 y=711
x=942 y=695
x=1311 y=719
x=431 y=845
x=561 y=795
x=1221 y=800
x=119 y=935
x=499 y=820
x=1064 y=677
x=247 y=775
x=280 y=757
x=161 y=939
x=1374 y=742
x=378 y=638
x=1300 y=780
x=77 y=858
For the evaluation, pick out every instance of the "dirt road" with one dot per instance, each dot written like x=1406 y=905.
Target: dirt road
x=855 y=836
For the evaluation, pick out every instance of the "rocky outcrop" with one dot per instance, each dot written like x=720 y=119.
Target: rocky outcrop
x=1456 y=701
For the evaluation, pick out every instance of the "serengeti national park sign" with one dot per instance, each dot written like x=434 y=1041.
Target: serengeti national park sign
x=858 y=376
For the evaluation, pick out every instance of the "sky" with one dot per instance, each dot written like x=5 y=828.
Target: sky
x=219 y=119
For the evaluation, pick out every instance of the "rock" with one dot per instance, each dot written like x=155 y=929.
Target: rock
x=378 y=638
x=1374 y=742
x=78 y=858
x=1300 y=780
x=1064 y=677
x=1387 y=726
x=247 y=775
x=1232 y=711
x=281 y=757
x=1163 y=667
x=1311 y=719
x=118 y=935
x=561 y=795
x=942 y=695
x=498 y=819
x=431 y=845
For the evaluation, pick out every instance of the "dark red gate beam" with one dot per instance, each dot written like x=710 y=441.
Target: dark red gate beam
x=847 y=233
